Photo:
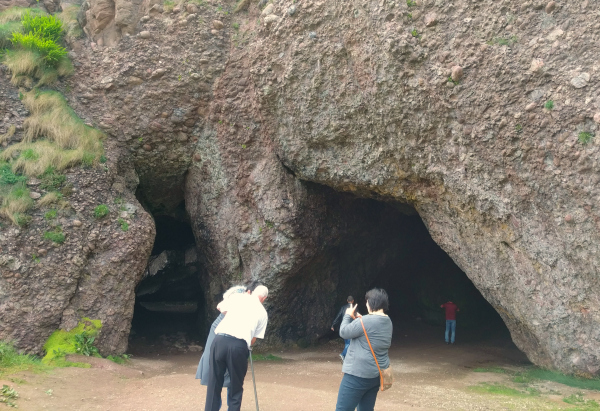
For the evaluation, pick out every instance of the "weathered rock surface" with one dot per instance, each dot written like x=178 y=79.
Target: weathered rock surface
x=363 y=106
x=43 y=285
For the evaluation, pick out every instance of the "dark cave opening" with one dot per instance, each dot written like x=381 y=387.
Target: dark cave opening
x=387 y=245
x=417 y=274
x=170 y=306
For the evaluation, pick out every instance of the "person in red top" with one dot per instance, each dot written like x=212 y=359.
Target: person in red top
x=451 y=310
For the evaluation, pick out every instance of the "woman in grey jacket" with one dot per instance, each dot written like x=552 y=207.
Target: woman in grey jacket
x=361 y=381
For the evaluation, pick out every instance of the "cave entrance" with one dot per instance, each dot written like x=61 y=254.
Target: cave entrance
x=170 y=307
x=387 y=245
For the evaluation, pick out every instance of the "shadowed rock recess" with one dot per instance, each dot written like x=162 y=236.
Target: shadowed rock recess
x=301 y=134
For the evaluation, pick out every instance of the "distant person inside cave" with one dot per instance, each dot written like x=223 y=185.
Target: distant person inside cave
x=338 y=320
x=451 y=310
x=203 y=366
x=245 y=320
x=361 y=381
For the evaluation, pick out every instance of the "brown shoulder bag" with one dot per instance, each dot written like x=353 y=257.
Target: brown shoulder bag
x=386 y=376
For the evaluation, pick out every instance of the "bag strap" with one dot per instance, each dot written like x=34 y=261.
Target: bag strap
x=372 y=352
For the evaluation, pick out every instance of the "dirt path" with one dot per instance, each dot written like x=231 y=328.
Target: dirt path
x=429 y=376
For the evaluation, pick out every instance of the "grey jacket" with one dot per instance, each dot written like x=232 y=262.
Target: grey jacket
x=359 y=360
x=203 y=365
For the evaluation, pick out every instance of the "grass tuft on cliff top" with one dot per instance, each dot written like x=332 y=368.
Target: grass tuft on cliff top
x=63 y=342
x=16 y=13
x=10 y=22
x=34 y=50
x=27 y=65
x=68 y=140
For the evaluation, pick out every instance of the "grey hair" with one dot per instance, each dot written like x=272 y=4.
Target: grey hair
x=236 y=289
x=261 y=291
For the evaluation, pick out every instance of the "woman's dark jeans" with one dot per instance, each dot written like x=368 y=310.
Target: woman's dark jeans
x=357 y=392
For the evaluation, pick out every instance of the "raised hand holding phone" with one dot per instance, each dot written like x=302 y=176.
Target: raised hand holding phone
x=350 y=311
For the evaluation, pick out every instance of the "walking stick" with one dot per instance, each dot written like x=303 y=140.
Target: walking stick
x=254 y=382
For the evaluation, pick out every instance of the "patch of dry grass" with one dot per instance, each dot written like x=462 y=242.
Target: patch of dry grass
x=26 y=65
x=47 y=154
x=6 y=136
x=15 y=202
x=49 y=199
x=67 y=140
x=15 y=13
x=53 y=118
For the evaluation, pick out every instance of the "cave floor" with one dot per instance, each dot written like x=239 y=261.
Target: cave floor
x=429 y=376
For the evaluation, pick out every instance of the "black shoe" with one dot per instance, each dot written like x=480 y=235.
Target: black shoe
x=447 y=343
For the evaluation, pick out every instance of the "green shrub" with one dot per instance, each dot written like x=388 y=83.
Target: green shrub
x=30 y=154
x=549 y=104
x=63 y=342
x=22 y=220
x=8 y=395
x=44 y=26
x=84 y=344
x=50 y=215
x=51 y=180
x=101 y=211
x=87 y=160
x=584 y=137
x=124 y=224
x=50 y=52
x=55 y=235
x=19 y=192
x=36 y=52
x=7 y=176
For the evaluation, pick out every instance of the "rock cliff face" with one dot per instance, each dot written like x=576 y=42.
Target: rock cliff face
x=43 y=285
x=477 y=114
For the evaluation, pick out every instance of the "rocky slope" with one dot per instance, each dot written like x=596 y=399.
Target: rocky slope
x=443 y=106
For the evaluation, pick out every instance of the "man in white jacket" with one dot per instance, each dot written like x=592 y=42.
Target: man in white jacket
x=245 y=321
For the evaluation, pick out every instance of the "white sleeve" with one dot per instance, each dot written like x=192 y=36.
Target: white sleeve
x=223 y=306
x=261 y=327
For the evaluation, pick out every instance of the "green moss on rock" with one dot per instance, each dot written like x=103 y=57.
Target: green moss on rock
x=63 y=342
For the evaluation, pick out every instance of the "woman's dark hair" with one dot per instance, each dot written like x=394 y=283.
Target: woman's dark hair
x=252 y=284
x=377 y=299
